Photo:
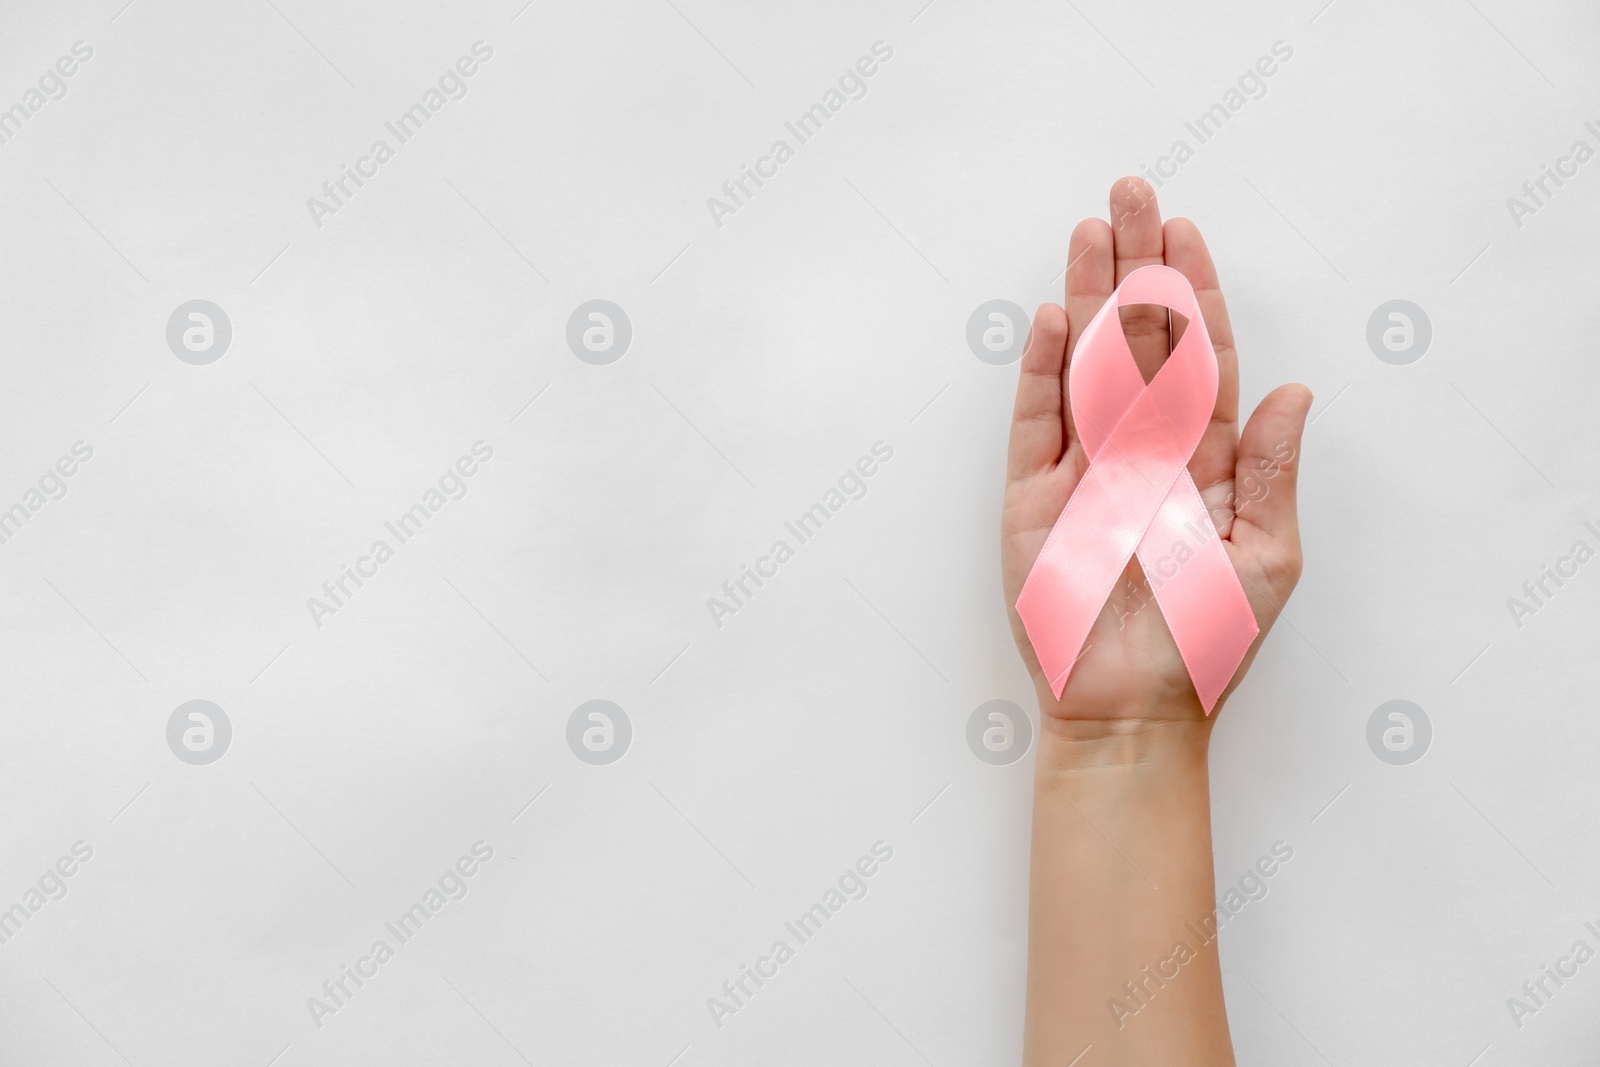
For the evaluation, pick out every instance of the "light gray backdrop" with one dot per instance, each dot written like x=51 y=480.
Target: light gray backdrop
x=367 y=745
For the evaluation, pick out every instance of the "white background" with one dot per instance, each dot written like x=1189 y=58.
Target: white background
x=767 y=355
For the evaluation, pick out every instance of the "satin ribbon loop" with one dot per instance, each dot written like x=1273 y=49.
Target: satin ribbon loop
x=1137 y=499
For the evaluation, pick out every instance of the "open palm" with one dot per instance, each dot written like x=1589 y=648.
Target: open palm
x=1130 y=668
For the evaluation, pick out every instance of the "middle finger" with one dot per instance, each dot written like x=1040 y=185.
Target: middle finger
x=1137 y=241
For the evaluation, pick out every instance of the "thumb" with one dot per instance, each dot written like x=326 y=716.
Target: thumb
x=1268 y=470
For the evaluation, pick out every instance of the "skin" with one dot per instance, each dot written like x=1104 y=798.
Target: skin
x=1121 y=865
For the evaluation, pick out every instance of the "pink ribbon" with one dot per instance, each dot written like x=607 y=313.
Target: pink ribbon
x=1137 y=498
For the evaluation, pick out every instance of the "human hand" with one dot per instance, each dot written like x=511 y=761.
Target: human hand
x=1130 y=671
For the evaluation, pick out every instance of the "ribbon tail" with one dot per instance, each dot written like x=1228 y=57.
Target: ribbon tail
x=1077 y=570
x=1198 y=592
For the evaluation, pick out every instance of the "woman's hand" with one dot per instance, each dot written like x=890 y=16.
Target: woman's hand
x=1129 y=671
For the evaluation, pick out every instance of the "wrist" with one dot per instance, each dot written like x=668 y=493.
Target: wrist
x=1156 y=696
x=1109 y=747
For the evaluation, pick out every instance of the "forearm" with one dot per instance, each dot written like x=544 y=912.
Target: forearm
x=1122 y=951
